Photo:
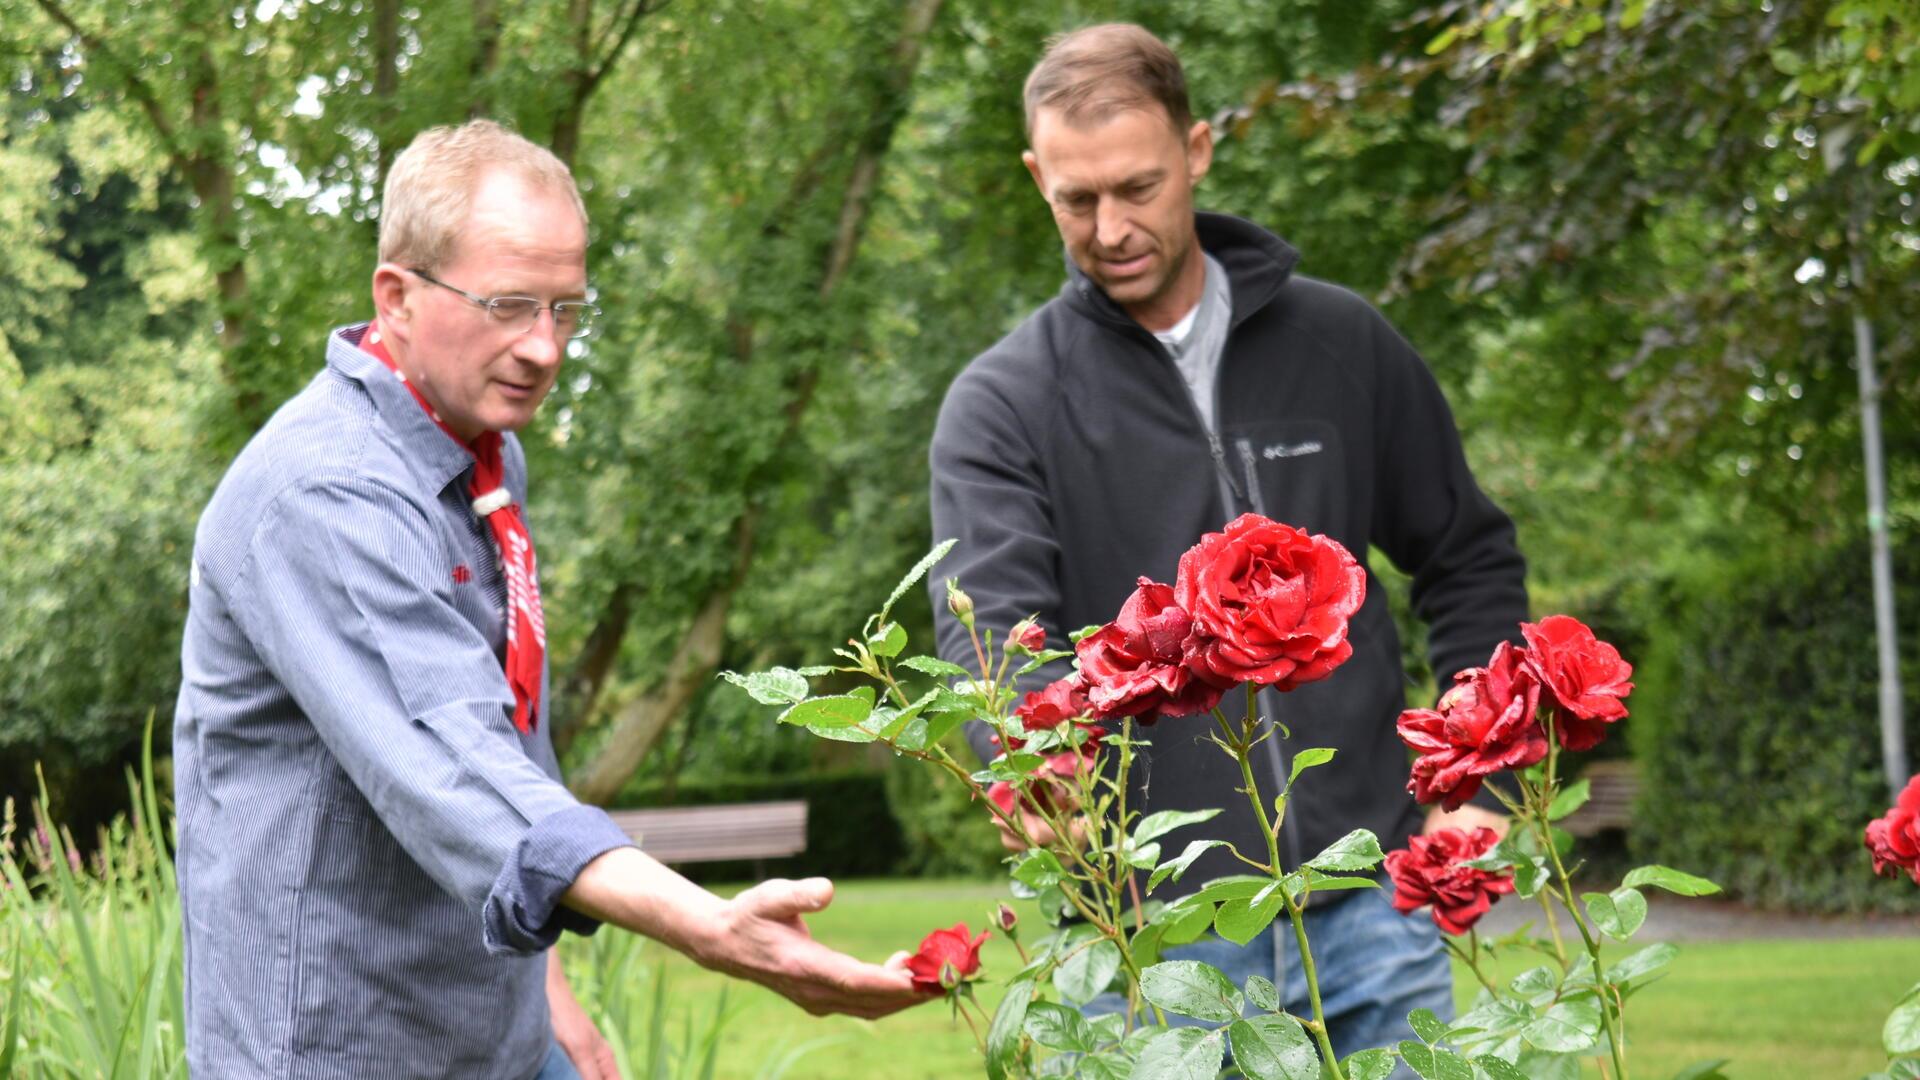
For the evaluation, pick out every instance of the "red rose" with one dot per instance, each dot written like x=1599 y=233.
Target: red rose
x=1028 y=635
x=1136 y=664
x=1270 y=601
x=946 y=959
x=1894 y=840
x=1429 y=873
x=1585 y=675
x=1486 y=723
x=1055 y=704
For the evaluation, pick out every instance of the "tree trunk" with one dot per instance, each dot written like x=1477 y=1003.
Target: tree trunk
x=638 y=725
x=386 y=80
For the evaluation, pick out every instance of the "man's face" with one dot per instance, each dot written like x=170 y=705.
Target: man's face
x=481 y=375
x=1121 y=189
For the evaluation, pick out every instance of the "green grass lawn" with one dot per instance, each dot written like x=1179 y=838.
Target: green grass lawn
x=1807 y=1009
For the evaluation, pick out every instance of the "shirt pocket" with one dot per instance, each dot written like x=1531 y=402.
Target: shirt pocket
x=1293 y=471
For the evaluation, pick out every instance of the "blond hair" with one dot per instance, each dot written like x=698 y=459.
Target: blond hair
x=1091 y=73
x=429 y=189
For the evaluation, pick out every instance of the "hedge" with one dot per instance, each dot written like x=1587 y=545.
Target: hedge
x=1756 y=726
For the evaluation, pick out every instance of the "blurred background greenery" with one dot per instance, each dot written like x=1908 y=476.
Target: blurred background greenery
x=1619 y=231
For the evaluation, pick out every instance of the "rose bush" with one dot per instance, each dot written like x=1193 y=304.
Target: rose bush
x=1257 y=604
x=1893 y=841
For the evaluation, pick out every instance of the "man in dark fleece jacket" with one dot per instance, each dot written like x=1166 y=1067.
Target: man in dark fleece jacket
x=1185 y=375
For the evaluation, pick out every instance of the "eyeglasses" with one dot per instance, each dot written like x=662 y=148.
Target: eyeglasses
x=571 y=318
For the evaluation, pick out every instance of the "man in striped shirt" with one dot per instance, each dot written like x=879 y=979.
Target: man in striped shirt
x=376 y=852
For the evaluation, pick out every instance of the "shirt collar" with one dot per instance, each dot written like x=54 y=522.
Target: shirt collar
x=419 y=437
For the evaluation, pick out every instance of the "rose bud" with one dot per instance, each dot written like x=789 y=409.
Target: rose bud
x=959 y=603
x=1005 y=919
x=1027 y=636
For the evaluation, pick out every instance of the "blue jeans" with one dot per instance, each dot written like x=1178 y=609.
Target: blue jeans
x=558 y=1066
x=1374 y=966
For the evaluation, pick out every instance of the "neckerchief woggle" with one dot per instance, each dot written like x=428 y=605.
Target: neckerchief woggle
x=492 y=502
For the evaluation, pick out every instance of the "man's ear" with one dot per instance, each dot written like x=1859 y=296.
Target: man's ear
x=393 y=301
x=1032 y=162
x=1199 y=151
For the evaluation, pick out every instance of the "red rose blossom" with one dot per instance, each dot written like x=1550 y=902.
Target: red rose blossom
x=1486 y=723
x=1054 y=704
x=1270 y=601
x=946 y=959
x=1136 y=664
x=1894 y=840
x=1430 y=873
x=1586 y=677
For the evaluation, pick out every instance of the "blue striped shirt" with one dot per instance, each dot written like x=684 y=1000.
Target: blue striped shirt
x=370 y=855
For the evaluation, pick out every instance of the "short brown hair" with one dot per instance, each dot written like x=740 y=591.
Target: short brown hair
x=1091 y=73
x=430 y=186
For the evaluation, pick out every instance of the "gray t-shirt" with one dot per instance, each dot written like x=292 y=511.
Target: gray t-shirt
x=1197 y=340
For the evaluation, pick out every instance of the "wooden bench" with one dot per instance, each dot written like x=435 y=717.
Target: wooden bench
x=1613 y=786
x=756 y=830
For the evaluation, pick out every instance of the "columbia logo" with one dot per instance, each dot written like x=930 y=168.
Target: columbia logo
x=462 y=575
x=1287 y=450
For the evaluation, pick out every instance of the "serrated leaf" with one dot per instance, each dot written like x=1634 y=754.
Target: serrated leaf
x=1434 y=1063
x=1368 y=1065
x=1057 y=1027
x=1645 y=962
x=1191 y=988
x=1674 y=881
x=1358 y=850
x=1427 y=1025
x=1181 y=1054
x=826 y=713
x=1703 y=1070
x=1529 y=878
x=1307 y=759
x=780 y=686
x=1083 y=975
x=1232 y=887
x=1273 y=1048
x=1617 y=914
x=936 y=667
x=1263 y=994
x=1901 y=1033
x=1041 y=659
x=1569 y=1027
x=1186 y=920
x=1180 y=864
x=1240 y=920
x=1156 y=825
x=888 y=641
x=1570 y=798
x=1039 y=869
x=919 y=570
x=1498 y=1068
x=1003 y=1035
x=1534 y=983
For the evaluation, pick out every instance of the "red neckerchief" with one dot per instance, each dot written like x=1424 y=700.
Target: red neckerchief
x=526 y=627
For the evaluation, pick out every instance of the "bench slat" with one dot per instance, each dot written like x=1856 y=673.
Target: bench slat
x=758 y=830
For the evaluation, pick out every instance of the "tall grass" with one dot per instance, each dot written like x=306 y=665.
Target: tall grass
x=90 y=959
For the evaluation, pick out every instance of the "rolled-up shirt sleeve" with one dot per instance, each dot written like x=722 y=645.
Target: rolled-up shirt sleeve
x=347 y=596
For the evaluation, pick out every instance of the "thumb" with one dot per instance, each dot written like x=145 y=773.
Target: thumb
x=784 y=899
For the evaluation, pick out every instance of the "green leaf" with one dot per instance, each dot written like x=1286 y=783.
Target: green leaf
x=1617 y=914
x=936 y=667
x=1368 y=1065
x=1084 y=974
x=1498 y=1068
x=1263 y=994
x=1181 y=1054
x=1357 y=850
x=919 y=570
x=1003 y=1035
x=888 y=641
x=1179 y=865
x=1428 y=1026
x=1541 y=1065
x=1901 y=1035
x=1240 y=920
x=1057 y=1027
x=1529 y=877
x=1317 y=881
x=1189 y=918
x=1534 y=984
x=1083 y=632
x=1191 y=988
x=1434 y=1063
x=1674 y=881
x=1039 y=869
x=1041 y=659
x=1569 y=1027
x=826 y=713
x=1703 y=1070
x=780 y=686
x=1233 y=887
x=1273 y=1048
x=1571 y=798
x=1307 y=759
x=1159 y=824
x=1645 y=962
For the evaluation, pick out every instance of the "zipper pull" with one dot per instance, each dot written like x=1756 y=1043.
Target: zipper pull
x=1226 y=473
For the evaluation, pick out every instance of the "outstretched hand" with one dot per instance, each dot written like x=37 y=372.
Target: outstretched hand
x=762 y=938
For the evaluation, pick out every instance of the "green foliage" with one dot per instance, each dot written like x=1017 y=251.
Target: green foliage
x=1764 y=775
x=942 y=826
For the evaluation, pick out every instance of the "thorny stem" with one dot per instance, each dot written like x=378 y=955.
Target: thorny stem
x=1470 y=955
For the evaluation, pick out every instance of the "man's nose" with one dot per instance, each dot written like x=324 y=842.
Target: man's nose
x=1111 y=225
x=539 y=344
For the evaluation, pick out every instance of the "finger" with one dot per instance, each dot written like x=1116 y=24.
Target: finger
x=780 y=899
x=898 y=961
x=604 y=1059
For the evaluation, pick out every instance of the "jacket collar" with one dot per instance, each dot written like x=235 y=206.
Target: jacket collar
x=419 y=438
x=1257 y=263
